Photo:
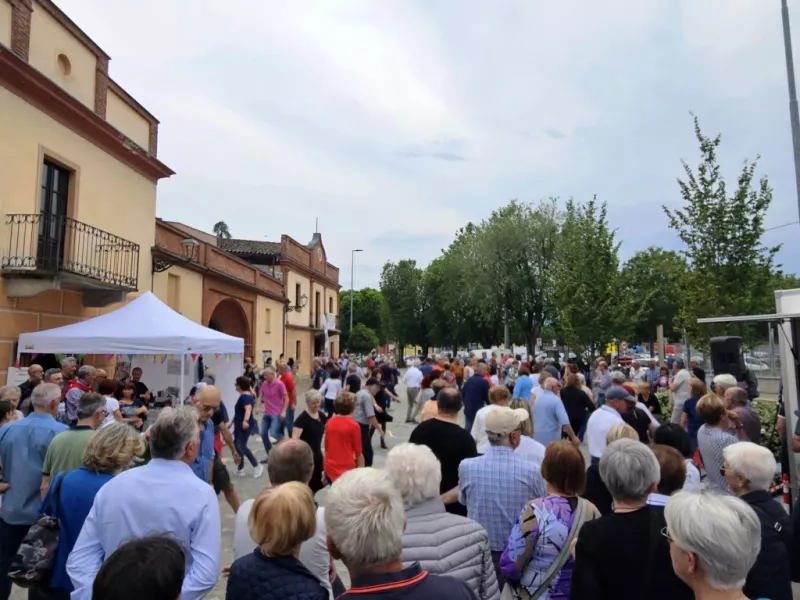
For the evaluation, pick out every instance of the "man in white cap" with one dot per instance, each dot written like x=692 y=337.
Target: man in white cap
x=494 y=487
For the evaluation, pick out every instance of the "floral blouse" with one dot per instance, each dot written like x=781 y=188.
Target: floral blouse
x=535 y=542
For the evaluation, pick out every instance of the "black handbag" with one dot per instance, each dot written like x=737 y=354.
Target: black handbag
x=37 y=554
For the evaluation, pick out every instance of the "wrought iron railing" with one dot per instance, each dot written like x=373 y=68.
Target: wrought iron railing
x=53 y=243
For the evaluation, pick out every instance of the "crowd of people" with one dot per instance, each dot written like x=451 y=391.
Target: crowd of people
x=491 y=498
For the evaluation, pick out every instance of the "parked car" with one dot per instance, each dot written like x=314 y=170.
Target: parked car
x=754 y=364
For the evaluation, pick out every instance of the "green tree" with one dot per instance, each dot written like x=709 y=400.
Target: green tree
x=400 y=286
x=512 y=258
x=731 y=271
x=362 y=339
x=653 y=283
x=221 y=230
x=367 y=309
x=587 y=287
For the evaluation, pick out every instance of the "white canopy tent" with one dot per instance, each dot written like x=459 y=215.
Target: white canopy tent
x=144 y=326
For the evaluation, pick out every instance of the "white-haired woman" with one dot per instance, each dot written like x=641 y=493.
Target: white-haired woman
x=714 y=540
x=749 y=470
x=310 y=427
x=622 y=555
x=443 y=543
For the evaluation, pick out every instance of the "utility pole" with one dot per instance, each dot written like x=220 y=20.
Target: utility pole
x=352 y=268
x=793 y=113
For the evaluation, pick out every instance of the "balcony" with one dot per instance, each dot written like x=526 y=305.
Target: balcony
x=317 y=321
x=45 y=252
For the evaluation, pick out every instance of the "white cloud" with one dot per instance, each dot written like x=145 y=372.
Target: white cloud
x=394 y=120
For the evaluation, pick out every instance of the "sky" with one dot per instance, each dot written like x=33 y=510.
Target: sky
x=396 y=122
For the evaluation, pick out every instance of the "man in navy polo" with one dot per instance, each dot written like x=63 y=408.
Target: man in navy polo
x=365 y=520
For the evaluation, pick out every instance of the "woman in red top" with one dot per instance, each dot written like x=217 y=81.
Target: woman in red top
x=342 y=439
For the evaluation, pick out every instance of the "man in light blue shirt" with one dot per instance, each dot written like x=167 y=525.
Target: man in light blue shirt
x=524 y=385
x=206 y=400
x=23 y=446
x=550 y=417
x=162 y=498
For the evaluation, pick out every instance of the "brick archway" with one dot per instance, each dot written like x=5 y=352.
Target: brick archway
x=229 y=317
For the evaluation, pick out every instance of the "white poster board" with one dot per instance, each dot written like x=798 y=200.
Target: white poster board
x=16 y=376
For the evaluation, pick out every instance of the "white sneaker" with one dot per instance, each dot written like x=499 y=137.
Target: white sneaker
x=258 y=471
x=240 y=472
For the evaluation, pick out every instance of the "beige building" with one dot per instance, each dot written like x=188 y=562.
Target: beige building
x=310 y=286
x=77 y=183
x=218 y=290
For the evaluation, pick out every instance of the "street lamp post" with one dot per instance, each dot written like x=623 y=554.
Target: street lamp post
x=352 y=266
x=793 y=113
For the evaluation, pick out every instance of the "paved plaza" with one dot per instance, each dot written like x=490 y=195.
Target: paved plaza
x=248 y=487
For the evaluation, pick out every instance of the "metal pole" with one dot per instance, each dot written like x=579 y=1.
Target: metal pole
x=352 y=268
x=793 y=113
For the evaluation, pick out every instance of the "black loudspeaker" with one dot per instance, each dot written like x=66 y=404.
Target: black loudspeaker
x=726 y=355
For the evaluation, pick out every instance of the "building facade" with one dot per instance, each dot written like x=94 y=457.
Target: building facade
x=310 y=287
x=78 y=183
x=216 y=289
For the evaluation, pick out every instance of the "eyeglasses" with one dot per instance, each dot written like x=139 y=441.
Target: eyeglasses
x=665 y=533
x=723 y=471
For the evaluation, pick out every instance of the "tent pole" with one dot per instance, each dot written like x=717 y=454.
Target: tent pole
x=183 y=371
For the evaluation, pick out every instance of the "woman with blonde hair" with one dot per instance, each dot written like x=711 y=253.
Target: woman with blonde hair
x=713 y=437
x=70 y=497
x=281 y=519
x=596 y=491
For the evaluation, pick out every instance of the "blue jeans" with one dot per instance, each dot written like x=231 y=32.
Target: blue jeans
x=289 y=422
x=468 y=423
x=240 y=442
x=601 y=399
x=271 y=424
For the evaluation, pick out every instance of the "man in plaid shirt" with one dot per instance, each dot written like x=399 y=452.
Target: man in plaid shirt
x=495 y=487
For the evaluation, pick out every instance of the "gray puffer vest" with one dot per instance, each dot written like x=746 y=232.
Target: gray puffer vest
x=446 y=544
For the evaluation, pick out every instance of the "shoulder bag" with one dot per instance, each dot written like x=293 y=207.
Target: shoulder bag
x=36 y=555
x=511 y=593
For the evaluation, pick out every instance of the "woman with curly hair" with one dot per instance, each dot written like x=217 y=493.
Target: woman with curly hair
x=70 y=496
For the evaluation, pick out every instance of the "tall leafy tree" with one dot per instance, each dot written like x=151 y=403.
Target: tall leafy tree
x=731 y=270
x=221 y=230
x=400 y=286
x=362 y=339
x=653 y=281
x=587 y=277
x=513 y=259
x=367 y=309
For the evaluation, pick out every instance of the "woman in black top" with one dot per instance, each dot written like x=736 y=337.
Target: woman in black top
x=596 y=491
x=310 y=427
x=624 y=555
x=578 y=405
x=649 y=399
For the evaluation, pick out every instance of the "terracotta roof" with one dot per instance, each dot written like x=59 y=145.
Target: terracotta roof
x=235 y=246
